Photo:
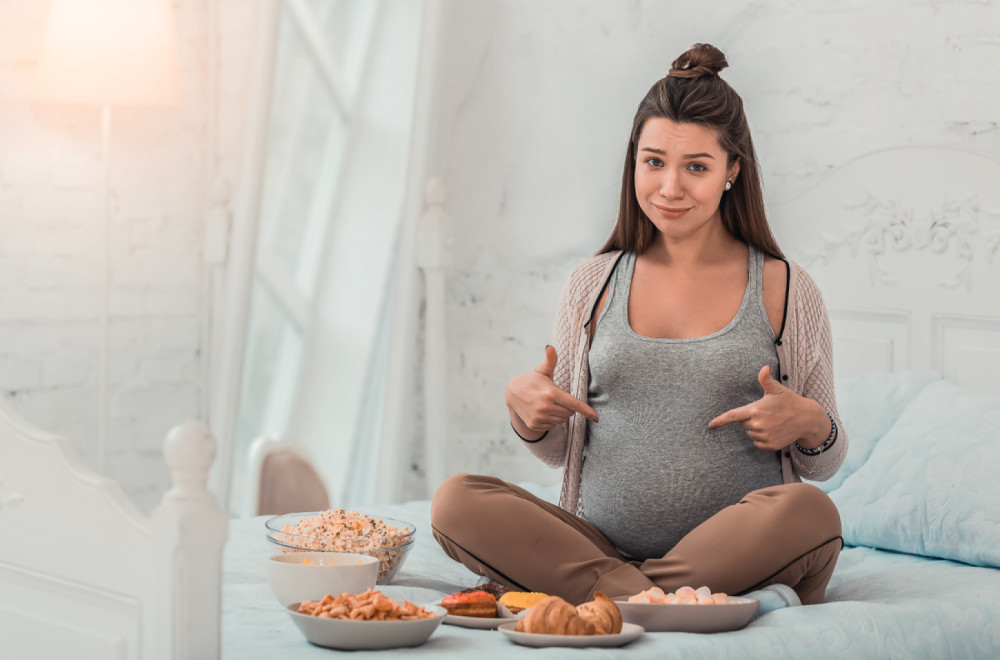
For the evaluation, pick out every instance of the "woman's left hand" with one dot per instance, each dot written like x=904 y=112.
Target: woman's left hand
x=779 y=418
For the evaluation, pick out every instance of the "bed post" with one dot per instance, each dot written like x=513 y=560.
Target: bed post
x=189 y=530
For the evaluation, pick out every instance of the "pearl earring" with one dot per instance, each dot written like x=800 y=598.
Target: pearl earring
x=729 y=185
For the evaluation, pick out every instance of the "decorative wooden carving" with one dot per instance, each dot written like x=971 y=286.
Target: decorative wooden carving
x=956 y=227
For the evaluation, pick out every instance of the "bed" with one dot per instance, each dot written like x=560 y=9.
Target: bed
x=904 y=244
x=84 y=574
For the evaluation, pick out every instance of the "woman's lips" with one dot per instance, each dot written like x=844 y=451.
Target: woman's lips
x=668 y=212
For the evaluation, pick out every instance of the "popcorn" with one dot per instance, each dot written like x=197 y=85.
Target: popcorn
x=340 y=530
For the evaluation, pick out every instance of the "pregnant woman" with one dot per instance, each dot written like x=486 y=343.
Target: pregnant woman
x=689 y=390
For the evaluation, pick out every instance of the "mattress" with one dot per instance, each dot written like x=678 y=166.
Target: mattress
x=879 y=605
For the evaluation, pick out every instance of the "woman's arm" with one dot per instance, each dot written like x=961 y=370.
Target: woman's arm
x=536 y=404
x=779 y=418
x=811 y=356
x=526 y=394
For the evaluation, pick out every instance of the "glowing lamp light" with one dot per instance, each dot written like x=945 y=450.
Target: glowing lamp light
x=109 y=53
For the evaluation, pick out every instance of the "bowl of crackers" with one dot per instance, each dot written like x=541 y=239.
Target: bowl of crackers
x=341 y=530
x=368 y=620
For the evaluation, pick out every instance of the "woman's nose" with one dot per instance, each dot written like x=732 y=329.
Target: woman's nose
x=670 y=186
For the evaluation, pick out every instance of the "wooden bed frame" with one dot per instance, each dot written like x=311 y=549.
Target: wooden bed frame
x=84 y=574
x=904 y=243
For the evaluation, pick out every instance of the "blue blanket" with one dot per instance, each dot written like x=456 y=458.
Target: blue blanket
x=880 y=605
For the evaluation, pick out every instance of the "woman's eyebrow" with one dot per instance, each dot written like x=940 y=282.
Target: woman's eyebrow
x=685 y=156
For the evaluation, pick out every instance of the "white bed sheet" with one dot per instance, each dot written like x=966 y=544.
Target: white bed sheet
x=880 y=605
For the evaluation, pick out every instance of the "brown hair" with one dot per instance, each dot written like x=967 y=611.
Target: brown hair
x=694 y=93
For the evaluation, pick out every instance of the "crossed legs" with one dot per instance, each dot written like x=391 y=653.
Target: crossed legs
x=787 y=534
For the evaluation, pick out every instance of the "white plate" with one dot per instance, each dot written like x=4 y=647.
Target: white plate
x=630 y=632
x=347 y=634
x=481 y=622
x=674 y=617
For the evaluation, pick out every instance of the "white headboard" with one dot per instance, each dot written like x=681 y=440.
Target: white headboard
x=905 y=246
x=84 y=574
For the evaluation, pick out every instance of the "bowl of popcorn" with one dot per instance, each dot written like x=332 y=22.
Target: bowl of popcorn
x=300 y=576
x=687 y=610
x=342 y=530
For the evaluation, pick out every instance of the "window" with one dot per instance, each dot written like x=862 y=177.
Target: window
x=337 y=67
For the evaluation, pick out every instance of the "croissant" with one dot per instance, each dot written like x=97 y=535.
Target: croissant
x=603 y=611
x=554 y=616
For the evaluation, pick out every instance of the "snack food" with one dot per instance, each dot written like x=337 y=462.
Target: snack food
x=554 y=616
x=368 y=606
x=683 y=596
x=475 y=603
x=515 y=601
x=605 y=614
x=491 y=587
x=342 y=530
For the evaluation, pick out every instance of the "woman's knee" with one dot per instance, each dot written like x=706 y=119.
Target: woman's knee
x=797 y=510
x=816 y=507
x=455 y=499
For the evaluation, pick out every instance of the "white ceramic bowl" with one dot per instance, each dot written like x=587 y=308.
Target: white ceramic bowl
x=675 y=617
x=299 y=576
x=348 y=634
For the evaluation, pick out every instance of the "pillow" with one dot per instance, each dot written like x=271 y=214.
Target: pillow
x=930 y=486
x=868 y=405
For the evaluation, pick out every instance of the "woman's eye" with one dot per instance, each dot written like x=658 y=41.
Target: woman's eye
x=654 y=162
x=697 y=167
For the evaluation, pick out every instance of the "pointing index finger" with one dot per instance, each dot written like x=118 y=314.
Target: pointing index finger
x=569 y=401
x=740 y=414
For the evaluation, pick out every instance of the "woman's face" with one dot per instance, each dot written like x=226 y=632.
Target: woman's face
x=680 y=176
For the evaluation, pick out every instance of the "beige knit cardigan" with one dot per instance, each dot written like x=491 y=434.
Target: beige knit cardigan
x=805 y=359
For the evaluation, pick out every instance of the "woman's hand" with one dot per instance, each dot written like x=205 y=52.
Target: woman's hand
x=536 y=404
x=779 y=418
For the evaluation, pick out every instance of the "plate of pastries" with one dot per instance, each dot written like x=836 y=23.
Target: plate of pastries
x=555 y=622
x=487 y=606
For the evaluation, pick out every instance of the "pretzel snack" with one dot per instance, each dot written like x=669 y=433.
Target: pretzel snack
x=367 y=606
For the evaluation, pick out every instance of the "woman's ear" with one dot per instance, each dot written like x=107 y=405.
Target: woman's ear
x=734 y=170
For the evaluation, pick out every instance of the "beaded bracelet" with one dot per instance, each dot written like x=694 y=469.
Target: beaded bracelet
x=826 y=445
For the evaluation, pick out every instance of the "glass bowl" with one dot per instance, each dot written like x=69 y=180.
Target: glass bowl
x=387 y=539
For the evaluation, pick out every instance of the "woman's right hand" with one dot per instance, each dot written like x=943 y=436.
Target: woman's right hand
x=536 y=404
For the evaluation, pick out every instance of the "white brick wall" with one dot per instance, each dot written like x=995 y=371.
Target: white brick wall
x=52 y=207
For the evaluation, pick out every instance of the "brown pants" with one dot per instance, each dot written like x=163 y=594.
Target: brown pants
x=788 y=534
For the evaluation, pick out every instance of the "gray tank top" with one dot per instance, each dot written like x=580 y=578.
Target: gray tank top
x=653 y=471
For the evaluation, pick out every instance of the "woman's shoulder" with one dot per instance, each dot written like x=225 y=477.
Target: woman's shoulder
x=805 y=300
x=588 y=277
x=802 y=287
x=591 y=271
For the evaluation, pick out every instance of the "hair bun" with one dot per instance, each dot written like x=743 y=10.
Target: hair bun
x=701 y=60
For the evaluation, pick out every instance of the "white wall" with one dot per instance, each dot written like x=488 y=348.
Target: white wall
x=535 y=101
x=532 y=107
x=51 y=249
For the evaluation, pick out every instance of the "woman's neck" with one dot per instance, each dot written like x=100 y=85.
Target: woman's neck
x=713 y=246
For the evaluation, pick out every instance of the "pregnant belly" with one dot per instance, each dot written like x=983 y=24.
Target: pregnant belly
x=646 y=505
